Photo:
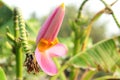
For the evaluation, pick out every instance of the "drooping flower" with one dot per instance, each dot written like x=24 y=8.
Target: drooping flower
x=48 y=45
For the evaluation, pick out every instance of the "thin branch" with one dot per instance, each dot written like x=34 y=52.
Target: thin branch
x=89 y=27
x=108 y=5
x=80 y=9
x=113 y=15
x=115 y=19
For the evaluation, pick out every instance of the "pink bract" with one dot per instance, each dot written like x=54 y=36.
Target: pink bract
x=47 y=46
x=50 y=28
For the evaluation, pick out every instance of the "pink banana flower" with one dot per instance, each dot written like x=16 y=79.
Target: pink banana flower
x=47 y=42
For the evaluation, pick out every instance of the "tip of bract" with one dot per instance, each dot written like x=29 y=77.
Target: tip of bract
x=62 y=5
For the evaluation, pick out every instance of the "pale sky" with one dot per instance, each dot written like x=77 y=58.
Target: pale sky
x=43 y=7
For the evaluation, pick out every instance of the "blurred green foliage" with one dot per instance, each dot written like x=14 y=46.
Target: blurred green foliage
x=70 y=14
x=2 y=74
x=5 y=13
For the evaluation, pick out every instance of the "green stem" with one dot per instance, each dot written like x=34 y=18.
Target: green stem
x=76 y=49
x=60 y=71
x=19 y=63
x=115 y=19
x=80 y=9
x=64 y=67
x=62 y=75
x=67 y=64
x=18 y=51
x=77 y=39
x=76 y=46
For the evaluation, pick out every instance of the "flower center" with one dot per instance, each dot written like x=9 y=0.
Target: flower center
x=45 y=44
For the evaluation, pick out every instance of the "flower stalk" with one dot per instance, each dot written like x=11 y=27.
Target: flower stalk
x=18 y=52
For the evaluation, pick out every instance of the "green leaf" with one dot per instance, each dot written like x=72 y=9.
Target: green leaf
x=2 y=74
x=107 y=78
x=5 y=13
x=88 y=75
x=6 y=18
x=102 y=56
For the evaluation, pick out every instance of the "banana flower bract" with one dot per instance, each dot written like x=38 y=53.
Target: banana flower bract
x=47 y=42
